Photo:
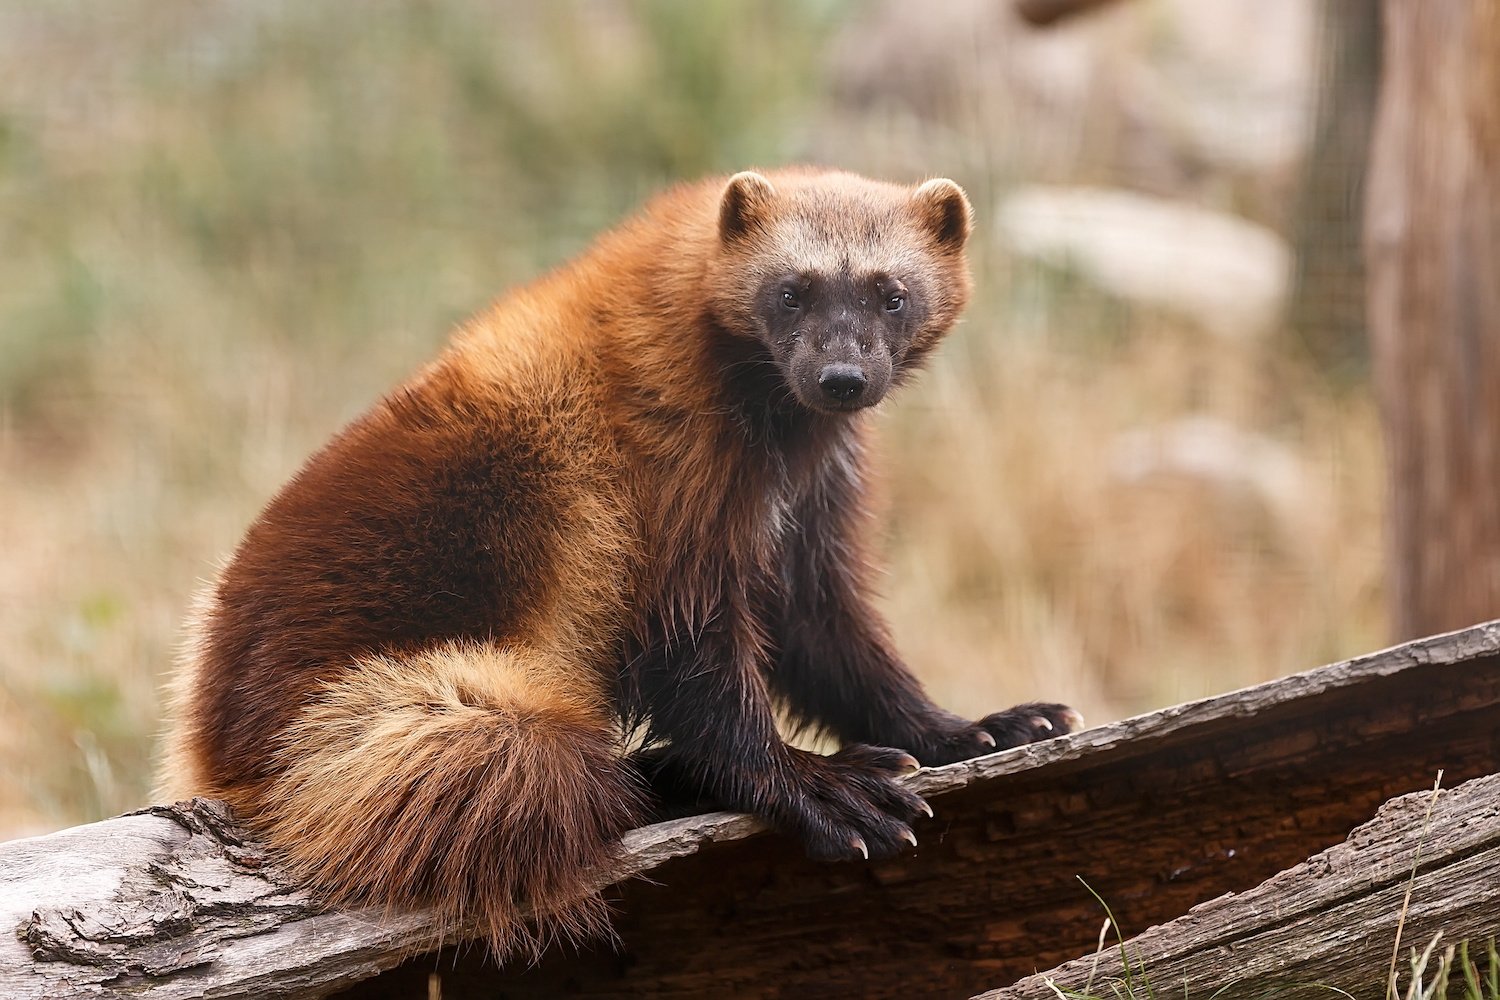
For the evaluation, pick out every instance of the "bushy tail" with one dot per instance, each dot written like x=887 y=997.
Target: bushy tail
x=483 y=782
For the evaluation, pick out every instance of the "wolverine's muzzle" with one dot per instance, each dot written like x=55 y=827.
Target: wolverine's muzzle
x=842 y=384
x=837 y=375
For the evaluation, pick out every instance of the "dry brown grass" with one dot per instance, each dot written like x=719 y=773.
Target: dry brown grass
x=226 y=231
x=1025 y=564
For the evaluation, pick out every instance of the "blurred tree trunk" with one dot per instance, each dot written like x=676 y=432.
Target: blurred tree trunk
x=1327 y=308
x=1433 y=250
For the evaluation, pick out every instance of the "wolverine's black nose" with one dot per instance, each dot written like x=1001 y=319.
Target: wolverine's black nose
x=841 y=383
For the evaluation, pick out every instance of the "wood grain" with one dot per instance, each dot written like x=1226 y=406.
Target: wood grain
x=1328 y=922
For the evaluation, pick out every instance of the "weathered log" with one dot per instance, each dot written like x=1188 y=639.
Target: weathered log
x=1328 y=923
x=181 y=901
x=1158 y=813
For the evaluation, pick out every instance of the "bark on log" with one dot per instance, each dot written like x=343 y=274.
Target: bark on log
x=1158 y=813
x=181 y=901
x=1432 y=233
x=1326 y=924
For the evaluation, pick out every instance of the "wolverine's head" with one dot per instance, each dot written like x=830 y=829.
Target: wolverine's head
x=847 y=282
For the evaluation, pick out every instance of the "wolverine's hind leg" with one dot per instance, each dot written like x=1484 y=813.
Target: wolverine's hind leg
x=484 y=781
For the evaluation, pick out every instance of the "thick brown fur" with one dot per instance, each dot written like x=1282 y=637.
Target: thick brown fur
x=628 y=496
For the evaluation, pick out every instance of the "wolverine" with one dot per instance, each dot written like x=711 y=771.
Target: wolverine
x=571 y=569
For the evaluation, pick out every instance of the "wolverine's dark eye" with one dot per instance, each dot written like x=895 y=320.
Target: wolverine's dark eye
x=895 y=303
x=790 y=300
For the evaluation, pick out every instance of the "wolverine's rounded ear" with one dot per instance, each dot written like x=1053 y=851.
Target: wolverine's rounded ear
x=944 y=210
x=745 y=197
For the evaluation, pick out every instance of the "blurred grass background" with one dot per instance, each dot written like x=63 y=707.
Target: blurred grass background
x=226 y=227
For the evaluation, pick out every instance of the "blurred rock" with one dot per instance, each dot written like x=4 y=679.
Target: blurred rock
x=1159 y=93
x=1226 y=273
x=1232 y=80
x=1216 y=452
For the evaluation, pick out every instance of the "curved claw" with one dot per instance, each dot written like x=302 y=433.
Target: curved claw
x=858 y=843
x=986 y=738
x=1041 y=722
x=909 y=837
x=926 y=808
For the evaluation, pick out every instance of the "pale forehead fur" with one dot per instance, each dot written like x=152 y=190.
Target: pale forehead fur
x=836 y=223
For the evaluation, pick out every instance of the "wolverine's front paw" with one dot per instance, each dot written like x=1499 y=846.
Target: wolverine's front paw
x=850 y=805
x=999 y=731
x=1030 y=722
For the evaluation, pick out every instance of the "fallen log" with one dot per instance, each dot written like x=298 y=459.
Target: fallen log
x=1158 y=813
x=1327 y=924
